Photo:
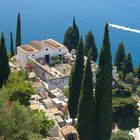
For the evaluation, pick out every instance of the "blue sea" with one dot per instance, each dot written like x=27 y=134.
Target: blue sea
x=50 y=18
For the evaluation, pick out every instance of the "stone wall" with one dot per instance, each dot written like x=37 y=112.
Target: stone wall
x=58 y=82
x=53 y=82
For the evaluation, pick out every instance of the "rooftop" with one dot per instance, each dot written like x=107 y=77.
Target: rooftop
x=35 y=46
x=57 y=92
x=53 y=44
x=52 y=110
x=68 y=130
x=47 y=103
x=27 y=48
x=64 y=68
x=38 y=45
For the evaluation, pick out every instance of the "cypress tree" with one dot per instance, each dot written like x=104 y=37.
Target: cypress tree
x=103 y=91
x=77 y=35
x=128 y=64
x=11 y=45
x=76 y=82
x=18 y=32
x=86 y=109
x=138 y=72
x=4 y=65
x=90 y=44
x=69 y=39
x=71 y=36
x=120 y=56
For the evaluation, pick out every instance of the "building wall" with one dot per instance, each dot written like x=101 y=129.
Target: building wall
x=22 y=57
x=49 y=51
x=53 y=82
x=60 y=82
x=114 y=71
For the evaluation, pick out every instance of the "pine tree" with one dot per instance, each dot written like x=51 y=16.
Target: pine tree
x=69 y=39
x=18 y=32
x=90 y=44
x=128 y=64
x=120 y=56
x=11 y=45
x=77 y=34
x=103 y=91
x=4 y=65
x=76 y=81
x=86 y=109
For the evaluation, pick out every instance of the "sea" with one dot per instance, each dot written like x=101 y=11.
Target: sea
x=43 y=19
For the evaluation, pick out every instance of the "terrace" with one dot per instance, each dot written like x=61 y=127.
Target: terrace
x=64 y=68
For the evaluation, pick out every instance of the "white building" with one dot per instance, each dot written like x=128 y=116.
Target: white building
x=42 y=50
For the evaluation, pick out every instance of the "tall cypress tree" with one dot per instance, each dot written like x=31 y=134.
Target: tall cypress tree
x=86 y=109
x=120 y=56
x=76 y=81
x=128 y=64
x=77 y=34
x=18 y=32
x=90 y=44
x=11 y=45
x=4 y=65
x=103 y=91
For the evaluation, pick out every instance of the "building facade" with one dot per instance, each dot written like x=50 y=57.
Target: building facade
x=42 y=51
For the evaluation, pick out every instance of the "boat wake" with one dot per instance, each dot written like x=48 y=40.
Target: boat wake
x=124 y=28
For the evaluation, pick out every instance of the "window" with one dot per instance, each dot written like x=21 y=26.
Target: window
x=46 y=49
x=59 y=50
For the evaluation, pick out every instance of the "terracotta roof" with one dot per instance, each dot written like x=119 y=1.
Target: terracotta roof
x=53 y=110
x=27 y=48
x=53 y=44
x=34 y=105
x=47 y=103
x=38 y=45
x=68 y=129
x=35 y=46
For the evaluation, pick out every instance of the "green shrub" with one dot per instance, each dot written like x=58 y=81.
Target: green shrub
x=121 y=135
x=66 y=91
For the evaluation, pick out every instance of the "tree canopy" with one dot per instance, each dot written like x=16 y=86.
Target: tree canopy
x=18 y=32
x=11 y=45
x=18 y=122
x=128 y=64
x=90 y=44
x=86 y=121
x=18 y=89
x=121 y=135
x=69 y=38
x=76 y=81
x=4 y=63
x=77 y=34
x=125 y=108
x=103 y=91
x=72 y=36
x=120 y=56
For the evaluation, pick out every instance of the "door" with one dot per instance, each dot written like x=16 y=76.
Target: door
x=47 y=58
